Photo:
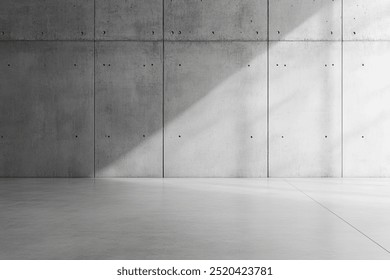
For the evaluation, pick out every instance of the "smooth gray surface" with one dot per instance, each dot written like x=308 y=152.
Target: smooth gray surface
x=192 y=219
x=128 y=88
x=46 y=109
x=47 y=20
x=362 y=202
x=129 y=20
x=216 y=20
x=215 y=109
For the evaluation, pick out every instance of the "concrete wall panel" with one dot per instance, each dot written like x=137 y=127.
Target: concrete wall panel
x=129 y=109
x=46 y=20
x=216 y=20
x=305 y=109
x=46 y=109
x=129 y=20
x=305 y=19
x=216 y=109
x=366 y=20
x=366 y=109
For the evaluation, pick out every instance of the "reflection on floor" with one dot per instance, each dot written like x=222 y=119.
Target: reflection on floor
x=194 y=219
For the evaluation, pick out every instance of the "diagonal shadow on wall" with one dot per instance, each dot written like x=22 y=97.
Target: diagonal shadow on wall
x=215 y=111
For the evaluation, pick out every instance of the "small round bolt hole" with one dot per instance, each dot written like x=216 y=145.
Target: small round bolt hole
x=363 y=64
x=172 y=32
x=249 y=65
x=326 y=136
x=179 y=64
x=282 y=136
x=152 y=64
x=285 y=65
x=144 y=136
x=213 y=32
x=277 y=64
x=9 y=65
x=104 y=32
x=144 y=65
x=153 y=32
x=179 y=136
x=74 y=65
x=278 y=32
x=76 y=136
x=252 y=137
x=362 y=136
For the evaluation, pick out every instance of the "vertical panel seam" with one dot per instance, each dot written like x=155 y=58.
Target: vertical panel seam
x=94 y=89
x=268 y=109
x=163 y=89
x=342 y=88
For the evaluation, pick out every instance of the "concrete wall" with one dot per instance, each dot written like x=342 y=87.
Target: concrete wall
x=305 y=109
x=128 y=116
x=199 y=88
x=46 y=109
x=215 y=109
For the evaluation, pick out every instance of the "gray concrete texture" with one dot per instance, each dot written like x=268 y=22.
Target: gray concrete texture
x=306 y=89
x=215 y=113
x=46 y=109
x=305 y=20
x=214 y=100
x=129 y=109
x=214 y=20
x=366 y=110
x=129 y=20
x=47 y=20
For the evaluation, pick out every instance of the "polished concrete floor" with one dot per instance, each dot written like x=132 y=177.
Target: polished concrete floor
x=194 y=219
